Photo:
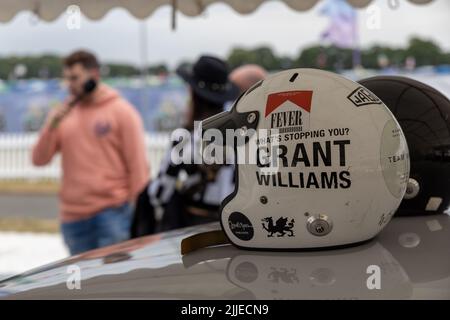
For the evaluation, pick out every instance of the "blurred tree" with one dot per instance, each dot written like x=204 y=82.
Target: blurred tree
x=263 y=56
x=50 y=66
x=309 y=58
x=287 y=63
x=158 y=69
x=121 y=70
x=372 y=56
x=328 y=58
x=425 y=52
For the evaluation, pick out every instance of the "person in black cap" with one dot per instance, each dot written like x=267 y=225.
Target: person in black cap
x=196 y=198
x=210 y=88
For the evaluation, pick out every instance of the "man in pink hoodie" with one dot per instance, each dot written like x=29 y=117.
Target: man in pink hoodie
x=101 y=140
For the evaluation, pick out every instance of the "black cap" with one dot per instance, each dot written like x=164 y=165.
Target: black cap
x=208 y=78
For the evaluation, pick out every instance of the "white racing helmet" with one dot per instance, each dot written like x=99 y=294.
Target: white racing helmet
x=331 y=164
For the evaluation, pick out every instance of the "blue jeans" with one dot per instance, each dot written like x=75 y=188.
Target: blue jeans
x=109 y=226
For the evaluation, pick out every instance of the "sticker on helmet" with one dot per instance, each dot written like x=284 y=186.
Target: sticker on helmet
x=241 y=226
x=300 y=98
x=292 y=120
x=394 y=159
x=304 y=156
x=281 y=227
x=361 y=97
x=385 y=218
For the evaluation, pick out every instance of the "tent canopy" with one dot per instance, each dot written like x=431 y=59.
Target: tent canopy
x=49 y=10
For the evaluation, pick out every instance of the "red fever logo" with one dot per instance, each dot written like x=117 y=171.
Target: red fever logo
x=301 y=98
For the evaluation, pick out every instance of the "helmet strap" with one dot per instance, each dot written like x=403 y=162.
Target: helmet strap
x=203 y=240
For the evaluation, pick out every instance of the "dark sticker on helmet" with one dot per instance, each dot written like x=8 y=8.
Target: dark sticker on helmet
x=281 y=227
x=241 y=226
x=361 y=97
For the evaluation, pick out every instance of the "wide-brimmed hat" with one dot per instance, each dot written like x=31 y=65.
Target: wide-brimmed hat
x=208 y=78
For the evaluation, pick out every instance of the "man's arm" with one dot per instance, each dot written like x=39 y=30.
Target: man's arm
x=48 y=141
x=133 y=146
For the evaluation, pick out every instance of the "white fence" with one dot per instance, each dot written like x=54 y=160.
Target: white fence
x=15 y=156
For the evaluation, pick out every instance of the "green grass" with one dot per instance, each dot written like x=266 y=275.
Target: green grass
x=29 y=186
x=29 y=225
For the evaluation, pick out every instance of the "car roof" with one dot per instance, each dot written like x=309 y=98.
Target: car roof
x=410 y=258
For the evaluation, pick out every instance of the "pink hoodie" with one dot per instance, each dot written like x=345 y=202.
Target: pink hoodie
x=103 y=154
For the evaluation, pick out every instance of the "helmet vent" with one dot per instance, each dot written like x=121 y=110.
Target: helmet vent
x=294 y=76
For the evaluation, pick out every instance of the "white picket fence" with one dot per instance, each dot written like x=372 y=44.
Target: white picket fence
x=15 y=156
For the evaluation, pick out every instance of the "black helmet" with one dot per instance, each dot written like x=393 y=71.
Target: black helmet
x=423 y=113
